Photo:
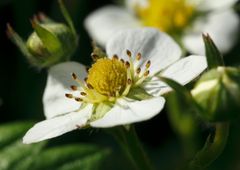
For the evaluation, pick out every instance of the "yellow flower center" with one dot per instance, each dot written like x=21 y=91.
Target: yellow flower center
x=108 y=76
x=167 y=15
x=109 y=79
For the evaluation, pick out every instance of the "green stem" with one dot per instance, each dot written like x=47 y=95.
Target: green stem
x=212 y=148
x=129 y=142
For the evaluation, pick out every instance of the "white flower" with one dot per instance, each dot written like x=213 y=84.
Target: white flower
x=185 y=20
x=119 y=90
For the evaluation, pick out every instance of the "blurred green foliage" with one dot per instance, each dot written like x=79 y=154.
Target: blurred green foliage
x=17 y=156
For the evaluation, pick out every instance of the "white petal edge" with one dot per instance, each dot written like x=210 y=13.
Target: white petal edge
x=206 y=5
x=103 y=23
x=223 y=27
x=58 y=84
x=57 y=126
x=183 y=71
x=154 y=45
x=127 y=112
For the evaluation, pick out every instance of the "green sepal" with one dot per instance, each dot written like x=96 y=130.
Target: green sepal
x=97 y=52
x=214 y=57
x=50 y=41
x=214 y=146
x=67 y=17
x=100 y=110
x=18 y=41
x=183 y=92
x=138 y=93
x=42 y=18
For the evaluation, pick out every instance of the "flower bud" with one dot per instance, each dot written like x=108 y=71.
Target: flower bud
x=50 y=42
x=218 y=93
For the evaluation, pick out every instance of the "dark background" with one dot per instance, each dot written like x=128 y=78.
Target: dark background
x=21 y=86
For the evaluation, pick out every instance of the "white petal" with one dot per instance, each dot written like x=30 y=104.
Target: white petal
x=132 y=4
x=222 y=27
x=105 y=22
x=126 y=112
x=153 y=44
x=58 y=83
x=183 y=71
x=57 y=126
x=206 y=5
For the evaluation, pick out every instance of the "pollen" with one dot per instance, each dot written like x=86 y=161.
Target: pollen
x=108 y=76
x=110 y=79
x=169 y=16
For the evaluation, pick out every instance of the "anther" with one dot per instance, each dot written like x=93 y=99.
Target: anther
x=139 y=56
x=122 y=60
x=85 y=79
x=69 y=95
x=74 y=88
x=89 y=86
x=129 y=53
x=74 y=76
x=87 y=68
x=115 y=57
x=146 y=73
x=83 y=93
x=148 y=64
x=138 y=70
x=127 y=64
x=129 y=81
x=78 y=99
x=94 y=56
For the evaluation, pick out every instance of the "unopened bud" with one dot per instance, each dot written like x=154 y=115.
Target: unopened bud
x=218 y=93
x=50 y=42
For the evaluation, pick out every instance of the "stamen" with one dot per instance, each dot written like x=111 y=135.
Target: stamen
x=70 y=96
x=85 y=79
x=146 y=73
x=74 y=88
x=127 y=64
x=148 y=64
x=83 y=93
x=89 y=86
x=87 y=68
x=129 y=81
x=129 y=53
x=138 y=70
x=94 y=56
x=139 y=56
x=78 y=99
x=122 y=60
x=74 y=76
x=115 y=57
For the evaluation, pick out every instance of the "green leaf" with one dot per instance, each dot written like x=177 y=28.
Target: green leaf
x=14 y=155
x=10 y=132
x=90 y=162
x=214 y=57
x=17 y=152
x=68 y=157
